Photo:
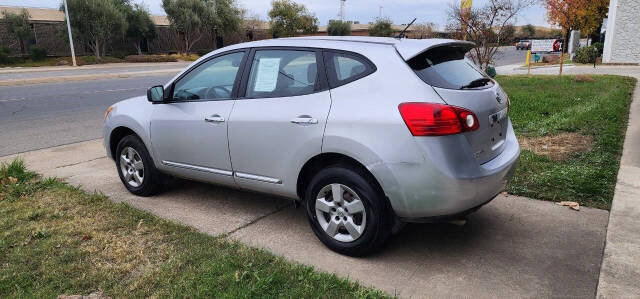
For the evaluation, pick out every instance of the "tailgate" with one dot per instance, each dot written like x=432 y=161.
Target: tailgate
x=490 y=106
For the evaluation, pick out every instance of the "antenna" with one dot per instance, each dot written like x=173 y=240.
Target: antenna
x=342 y=2
x=401 y=34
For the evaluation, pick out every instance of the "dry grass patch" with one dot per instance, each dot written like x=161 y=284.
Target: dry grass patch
x=558 y=147
x=56 y=239
x=583 y=78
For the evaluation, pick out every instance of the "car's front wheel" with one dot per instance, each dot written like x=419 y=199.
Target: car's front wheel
x=347 y=212
x=135 y=167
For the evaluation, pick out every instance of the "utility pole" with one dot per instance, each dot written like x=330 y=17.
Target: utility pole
x=73 y=52
x=380 y=13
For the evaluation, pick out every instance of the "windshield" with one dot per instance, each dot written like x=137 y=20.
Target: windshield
x=447 y=67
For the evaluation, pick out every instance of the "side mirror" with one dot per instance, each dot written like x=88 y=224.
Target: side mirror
x=155 y=94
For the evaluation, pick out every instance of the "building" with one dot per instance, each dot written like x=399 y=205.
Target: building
x=622 y=39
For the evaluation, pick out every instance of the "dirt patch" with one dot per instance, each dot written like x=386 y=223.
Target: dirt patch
x=583 y=78
x=558 y=147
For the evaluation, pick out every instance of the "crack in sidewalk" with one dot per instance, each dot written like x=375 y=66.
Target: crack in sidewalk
x=76 y=163
x=255 y=220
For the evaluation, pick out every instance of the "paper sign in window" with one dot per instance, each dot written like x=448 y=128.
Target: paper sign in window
x=267 y=75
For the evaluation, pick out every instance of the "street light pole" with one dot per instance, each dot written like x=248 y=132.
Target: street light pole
x=73 y=52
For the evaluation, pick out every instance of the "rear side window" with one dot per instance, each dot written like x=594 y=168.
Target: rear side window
x=282 y=73
x=344 y=67
x=447 y=67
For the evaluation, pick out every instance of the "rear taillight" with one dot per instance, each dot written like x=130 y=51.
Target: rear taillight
x=431 y=119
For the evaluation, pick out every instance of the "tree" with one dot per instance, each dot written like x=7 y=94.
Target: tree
x=529 y=30
x=139 y=26
x=95 y=22
x=18 y=26
x=509 y=34
x=339 y=28
x=192 y=19
x=381 y=27
x=425 y=30
x=287 y=18
x=564 y=13
x=590 y=17
x=485 y=26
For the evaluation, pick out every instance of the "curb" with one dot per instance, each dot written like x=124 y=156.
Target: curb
x=620 y=267
x=57 y=79
x=10 y=70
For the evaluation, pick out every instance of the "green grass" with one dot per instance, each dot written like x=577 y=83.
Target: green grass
x=550 y=105
x=56 y=239
x=53 y=61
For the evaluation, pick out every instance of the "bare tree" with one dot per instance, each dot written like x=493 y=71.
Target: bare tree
x=424 y=30
x=485 y=26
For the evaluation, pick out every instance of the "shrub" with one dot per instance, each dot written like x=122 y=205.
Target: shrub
x=599 y=46
x=585 y=55
x=4 y=55
x=382 y=27
x=38 y=54
x=185 y=57
x=119 y=54
x=338 y=28
x=150 y=58
x=203 y=52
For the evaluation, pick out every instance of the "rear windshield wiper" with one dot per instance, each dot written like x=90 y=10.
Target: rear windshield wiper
x=476 y=83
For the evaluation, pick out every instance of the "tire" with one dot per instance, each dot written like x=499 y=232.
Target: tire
x=142 y=179
x=375 y=221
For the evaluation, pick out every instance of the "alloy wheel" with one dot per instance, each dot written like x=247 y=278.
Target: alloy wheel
x=340 y=212
x=131 y=167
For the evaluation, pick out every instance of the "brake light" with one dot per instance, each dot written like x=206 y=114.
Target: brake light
x=431 y=119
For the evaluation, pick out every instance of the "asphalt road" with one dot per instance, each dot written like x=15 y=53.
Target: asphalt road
x=509 y=55
x=44 y=115
x=20 y=73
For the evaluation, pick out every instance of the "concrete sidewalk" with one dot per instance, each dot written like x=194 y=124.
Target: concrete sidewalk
x=620 y=271
x=36 y=75
x=514 y=246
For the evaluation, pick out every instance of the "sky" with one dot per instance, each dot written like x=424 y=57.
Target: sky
x=364 y=11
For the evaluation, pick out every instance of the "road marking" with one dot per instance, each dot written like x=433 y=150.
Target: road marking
x=12 y=100
x=116 y=90
x=84 y=92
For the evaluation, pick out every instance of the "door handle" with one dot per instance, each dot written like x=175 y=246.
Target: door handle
x=304 y=120
x=214 y=119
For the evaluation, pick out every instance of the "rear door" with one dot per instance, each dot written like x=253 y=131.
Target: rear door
x=279 y=123
x=461 y=83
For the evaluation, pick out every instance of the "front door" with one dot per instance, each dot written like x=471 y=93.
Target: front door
x=279 y=123
x=189 y=132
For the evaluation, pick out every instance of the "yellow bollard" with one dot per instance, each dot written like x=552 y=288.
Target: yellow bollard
x=528 y=62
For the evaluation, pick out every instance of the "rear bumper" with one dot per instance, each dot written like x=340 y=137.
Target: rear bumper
x=449 y=182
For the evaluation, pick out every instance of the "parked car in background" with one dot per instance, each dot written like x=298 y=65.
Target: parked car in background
x=369 y=132
x=523 y=45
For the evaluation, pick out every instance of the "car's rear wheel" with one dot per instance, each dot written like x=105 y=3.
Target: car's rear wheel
x=135 y=167
x=347 y=212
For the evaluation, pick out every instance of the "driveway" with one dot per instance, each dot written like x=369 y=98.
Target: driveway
x=514 y=246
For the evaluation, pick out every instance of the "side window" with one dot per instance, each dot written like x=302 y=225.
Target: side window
x=211 y=80
x=344 y=68
x=282 y=73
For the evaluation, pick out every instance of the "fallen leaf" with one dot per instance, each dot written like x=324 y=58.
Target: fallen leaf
x=12 y=180
x=4 y=181
x=571 y=204
x=86 y=237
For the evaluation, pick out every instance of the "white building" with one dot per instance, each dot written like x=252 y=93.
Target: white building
x=622 y=40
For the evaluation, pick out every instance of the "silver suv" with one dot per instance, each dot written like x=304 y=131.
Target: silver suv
x=369 y=132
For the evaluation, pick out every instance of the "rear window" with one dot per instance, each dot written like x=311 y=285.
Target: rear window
x=446 y=67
